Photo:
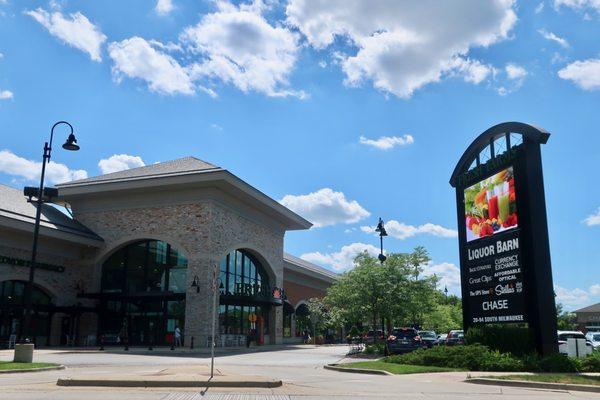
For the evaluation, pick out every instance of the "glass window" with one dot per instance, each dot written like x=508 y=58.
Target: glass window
x=145 y=266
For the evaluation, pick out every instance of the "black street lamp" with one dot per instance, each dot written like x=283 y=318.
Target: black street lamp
x=42 y=196
x=381 y=230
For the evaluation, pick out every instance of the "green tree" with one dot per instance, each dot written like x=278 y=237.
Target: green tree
x=389 y=294
x=566 y=321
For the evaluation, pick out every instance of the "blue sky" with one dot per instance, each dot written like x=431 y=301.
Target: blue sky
x=280 y=93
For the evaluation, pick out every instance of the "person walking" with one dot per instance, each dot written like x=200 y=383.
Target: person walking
x=177 y=337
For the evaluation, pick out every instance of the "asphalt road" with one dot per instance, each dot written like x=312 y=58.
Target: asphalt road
x=299 y=367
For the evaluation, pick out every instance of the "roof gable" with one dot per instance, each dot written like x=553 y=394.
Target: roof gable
x=173 y=167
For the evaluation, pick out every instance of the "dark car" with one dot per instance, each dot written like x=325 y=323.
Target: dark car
x=403 y=340
x=455 y=337
x=373 y=336
x=429 y=338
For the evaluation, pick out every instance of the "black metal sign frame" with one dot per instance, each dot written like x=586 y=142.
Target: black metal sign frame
x=506 y=275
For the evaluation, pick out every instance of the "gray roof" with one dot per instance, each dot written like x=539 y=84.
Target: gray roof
x=174 y=167
x=14 y=205
x=309 y=266
x=592 y=308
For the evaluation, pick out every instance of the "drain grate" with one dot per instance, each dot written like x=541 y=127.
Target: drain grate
x=224 y=396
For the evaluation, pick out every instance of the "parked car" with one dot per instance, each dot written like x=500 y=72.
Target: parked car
x=373 y=335
x=455 y=337
x=564 y=335
x=441 y=339
x=403 y=340
x=428 y=337
x=594 y=338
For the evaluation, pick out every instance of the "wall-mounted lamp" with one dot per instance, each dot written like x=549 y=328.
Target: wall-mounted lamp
x=196 y=283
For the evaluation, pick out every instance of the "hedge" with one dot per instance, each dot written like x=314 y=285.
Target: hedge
x=476 y=357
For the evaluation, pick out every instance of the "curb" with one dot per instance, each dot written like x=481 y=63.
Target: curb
x=18 y=371
x=334 y=367
x=535 y=385
x=166 y=384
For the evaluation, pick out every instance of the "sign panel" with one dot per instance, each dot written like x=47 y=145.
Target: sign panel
x=495 y=284
x=506 y=275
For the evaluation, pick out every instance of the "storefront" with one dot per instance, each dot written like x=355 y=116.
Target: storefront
x=147 y=251
x=588 y=318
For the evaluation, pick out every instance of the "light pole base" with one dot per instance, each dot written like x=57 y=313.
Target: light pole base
x=23 y=352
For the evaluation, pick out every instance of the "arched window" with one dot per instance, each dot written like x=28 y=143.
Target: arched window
x=239 y=269
x=145 y=266
x=12 y=293
x=242 y=279
x=12 y=301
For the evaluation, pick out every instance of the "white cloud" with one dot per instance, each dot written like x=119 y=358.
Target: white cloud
x=447 y=273
x=578 y=4
x=515 y=72
x=164 y=7
x=571 y=298
x=403 y=46
x=119 y=162
x=595 y=290
x=6 y=95
x=593 y=219
x=136 y=58
x=325 y=207
x=400 y=230
x=585 y=74
x=75 y=30
x=341 y=260
x=387 y=142
x=238 y=46
x=472 y=71
x=539 y=8
x=12 y=164
x=551 y=36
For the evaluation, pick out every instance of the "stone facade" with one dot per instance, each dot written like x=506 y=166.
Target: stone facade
x=204 y=231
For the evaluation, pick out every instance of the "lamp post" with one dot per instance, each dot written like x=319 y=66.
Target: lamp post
x=381 y=230
x=71 y=145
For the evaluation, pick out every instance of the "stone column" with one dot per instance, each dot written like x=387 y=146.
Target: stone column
x=197 y=303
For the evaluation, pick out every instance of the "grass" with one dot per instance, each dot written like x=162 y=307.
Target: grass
x=9 y=365
x=553 y=378
x=398 y=369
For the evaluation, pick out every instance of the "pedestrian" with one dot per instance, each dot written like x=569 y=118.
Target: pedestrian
x=177 y=337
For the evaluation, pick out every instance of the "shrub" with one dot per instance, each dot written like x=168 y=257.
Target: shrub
x=557 y=363
x=590 y=363
x=376 y=348
x=513 y=339
x=473 y=357
x=476 y=357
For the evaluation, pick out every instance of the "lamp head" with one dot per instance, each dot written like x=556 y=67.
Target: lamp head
x=71 y=143
x=380 y=228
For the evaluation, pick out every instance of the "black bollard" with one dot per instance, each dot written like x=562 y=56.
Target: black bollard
x=101 y=344
x=150 y=344
x=173 y=344
x=126 y=344
x=192 y=343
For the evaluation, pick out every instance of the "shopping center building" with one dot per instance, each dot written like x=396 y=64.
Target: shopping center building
x=151 y=249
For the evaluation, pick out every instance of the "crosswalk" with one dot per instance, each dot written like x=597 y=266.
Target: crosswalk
x=224 y=396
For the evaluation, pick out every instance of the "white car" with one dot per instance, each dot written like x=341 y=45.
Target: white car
x=564 y=335
x=594 y=338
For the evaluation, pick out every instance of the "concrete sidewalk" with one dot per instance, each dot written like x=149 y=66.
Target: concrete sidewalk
x=190 y=376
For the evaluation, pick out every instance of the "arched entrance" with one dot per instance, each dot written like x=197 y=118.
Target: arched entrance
x=12 y=301
x=302 y=320
x=246 y=298
x=142 y=297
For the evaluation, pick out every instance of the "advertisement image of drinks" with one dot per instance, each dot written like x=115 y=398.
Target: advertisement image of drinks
x=490 y=205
